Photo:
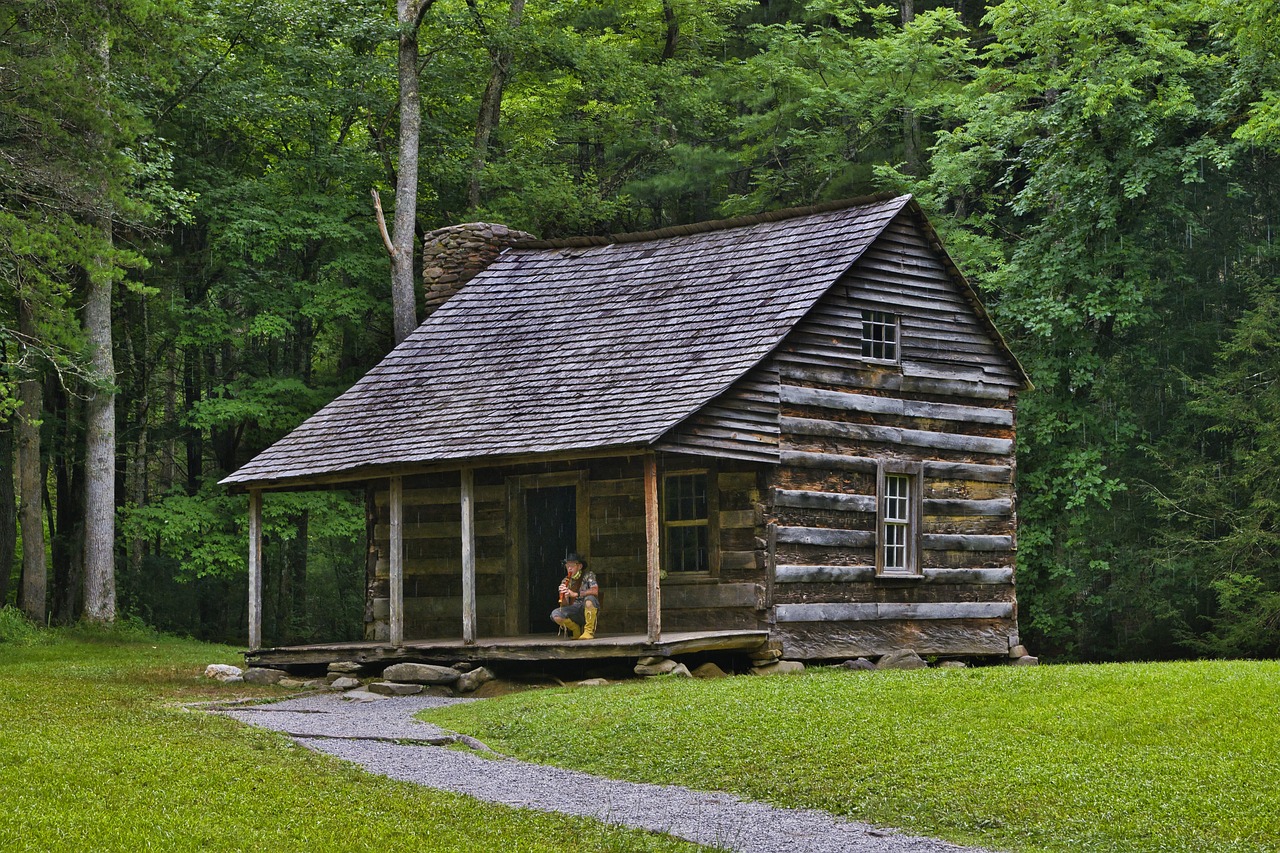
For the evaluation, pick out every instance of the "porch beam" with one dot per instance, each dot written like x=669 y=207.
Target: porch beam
x=468 y=556
x=396 y=544
x=255 y=569
x=651 y=534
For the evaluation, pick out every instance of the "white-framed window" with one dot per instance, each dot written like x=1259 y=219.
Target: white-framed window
x=879 y=335
x=897 y=522
x=686 y=501
x=899 y=506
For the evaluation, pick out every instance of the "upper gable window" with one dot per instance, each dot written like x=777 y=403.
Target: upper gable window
x=879 y=335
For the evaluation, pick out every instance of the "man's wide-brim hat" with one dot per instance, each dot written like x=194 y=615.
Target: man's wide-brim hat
x=572 y=557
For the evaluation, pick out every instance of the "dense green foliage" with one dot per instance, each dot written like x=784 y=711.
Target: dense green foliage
x=1094 y=155
x=1106 y=172
x=96 y=752
x=1135 y=757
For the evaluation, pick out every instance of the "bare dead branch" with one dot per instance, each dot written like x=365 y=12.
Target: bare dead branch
x=32 y=353
x=1172 y=503
x=382 y=223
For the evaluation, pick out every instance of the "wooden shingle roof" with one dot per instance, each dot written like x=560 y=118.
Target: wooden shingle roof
x=581 y=346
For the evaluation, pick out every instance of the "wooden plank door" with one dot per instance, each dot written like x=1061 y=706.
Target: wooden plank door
x=550 y=533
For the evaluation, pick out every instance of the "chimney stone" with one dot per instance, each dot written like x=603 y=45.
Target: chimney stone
x=454 y=255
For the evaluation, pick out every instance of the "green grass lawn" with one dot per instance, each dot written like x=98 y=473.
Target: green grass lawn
x=1133 y=757
x=96 y=753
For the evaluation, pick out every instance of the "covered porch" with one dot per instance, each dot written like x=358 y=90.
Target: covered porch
x=451 y=574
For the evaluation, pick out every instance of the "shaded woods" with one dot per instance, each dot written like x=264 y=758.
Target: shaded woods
x=1107 y=174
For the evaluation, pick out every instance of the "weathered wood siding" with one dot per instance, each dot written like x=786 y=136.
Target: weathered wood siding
x=742 y=423
x=433 y=557
x=947 y=347
x=730 y=597
x=949 y=406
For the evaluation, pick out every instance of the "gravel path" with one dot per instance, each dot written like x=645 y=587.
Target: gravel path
x=373 y=734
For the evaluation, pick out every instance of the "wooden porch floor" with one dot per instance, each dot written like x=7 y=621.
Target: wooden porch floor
x=539 y=647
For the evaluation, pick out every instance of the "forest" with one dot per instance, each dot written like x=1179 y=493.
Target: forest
x=192 y=263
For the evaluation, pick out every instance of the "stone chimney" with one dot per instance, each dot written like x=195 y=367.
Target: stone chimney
x=453 y=256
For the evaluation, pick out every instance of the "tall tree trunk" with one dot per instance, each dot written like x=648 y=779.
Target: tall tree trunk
x=168 y=455
x=137 y=429
x=910 y=121
x=409 y=15
x=8 y=495
x=500 y=56
x=100 y=449
x=8 y=507
x=192 y=394
x=673 y=30
x=66 y=517
x=30 y=484
x=100 y=412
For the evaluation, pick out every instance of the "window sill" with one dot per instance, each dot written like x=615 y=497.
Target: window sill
x=888 y=576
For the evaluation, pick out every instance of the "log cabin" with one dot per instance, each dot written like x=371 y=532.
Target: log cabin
x=795 y=427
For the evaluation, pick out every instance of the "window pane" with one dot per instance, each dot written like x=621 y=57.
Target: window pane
x=895 y=547
x=687 y=549
x=686 y=497
x=896 y=491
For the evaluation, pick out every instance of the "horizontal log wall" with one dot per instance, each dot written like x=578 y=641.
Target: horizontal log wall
x=948 y=637
x=729 y=597
x=824 y=506
x=948 y=408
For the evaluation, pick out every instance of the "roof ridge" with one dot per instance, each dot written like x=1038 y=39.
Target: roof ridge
x=708 y=226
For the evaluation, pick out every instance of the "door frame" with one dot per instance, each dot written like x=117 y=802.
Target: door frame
x=517 y=622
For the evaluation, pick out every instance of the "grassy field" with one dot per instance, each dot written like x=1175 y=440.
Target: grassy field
x=96 y=753
x=1135 y=757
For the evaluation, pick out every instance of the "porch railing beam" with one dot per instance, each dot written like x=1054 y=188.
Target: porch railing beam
x=651 y=536
x=468 y=556
x=397 y=561
x=255 y=569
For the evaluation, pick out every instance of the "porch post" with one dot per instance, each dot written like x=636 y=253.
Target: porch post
x=468 y=556
x=651 y=534
x=397 y=561
x=255 y=569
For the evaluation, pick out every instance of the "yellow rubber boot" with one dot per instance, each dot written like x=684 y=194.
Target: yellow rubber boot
x=589 y=633
x=574 y=631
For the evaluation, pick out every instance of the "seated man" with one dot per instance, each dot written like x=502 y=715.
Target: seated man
x=579 y=600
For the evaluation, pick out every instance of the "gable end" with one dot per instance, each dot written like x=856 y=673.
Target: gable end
x=903 y=283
